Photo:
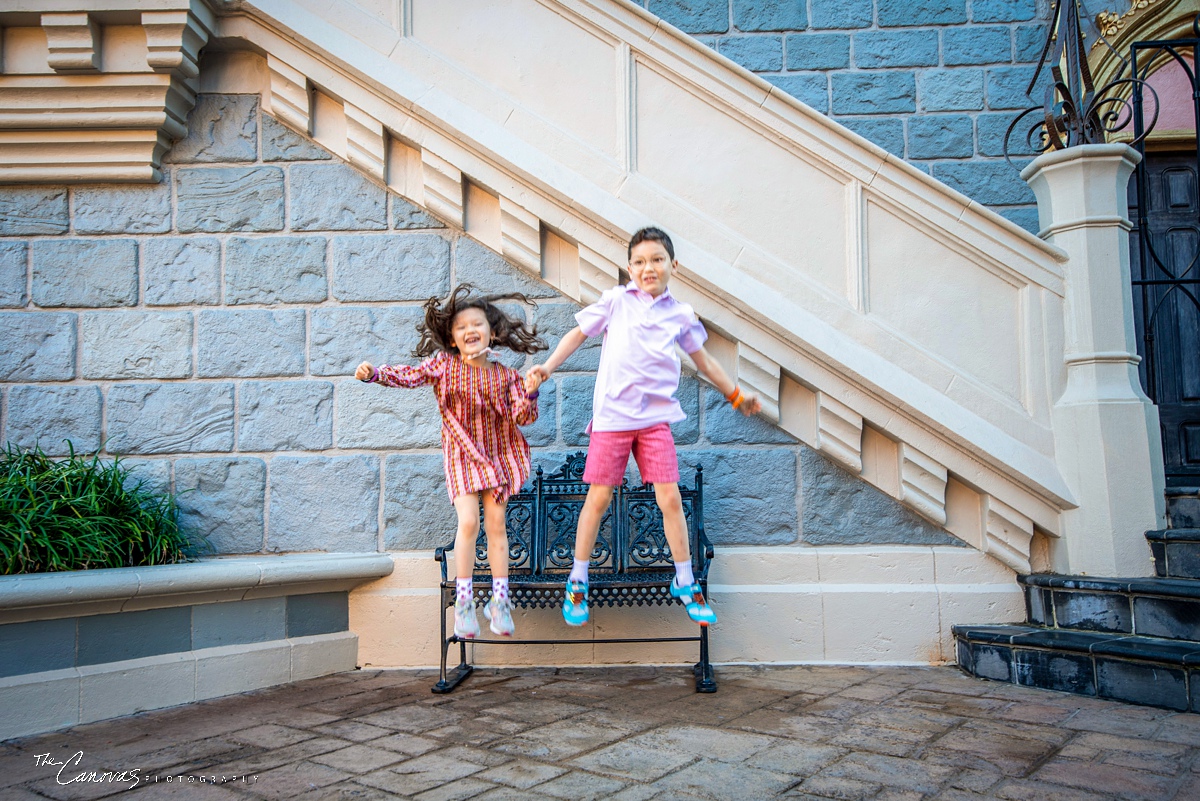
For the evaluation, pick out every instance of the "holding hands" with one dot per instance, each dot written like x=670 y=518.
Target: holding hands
x=535 y=376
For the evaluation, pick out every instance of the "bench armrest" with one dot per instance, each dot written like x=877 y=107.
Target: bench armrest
x=439 y=554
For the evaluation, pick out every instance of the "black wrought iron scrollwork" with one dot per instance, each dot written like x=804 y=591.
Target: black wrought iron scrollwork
x=647 y=540
x=572 y=469
x=563 y=520
x=519 y=522
x=519 y=526
x=1073 y=111
x=603 y=549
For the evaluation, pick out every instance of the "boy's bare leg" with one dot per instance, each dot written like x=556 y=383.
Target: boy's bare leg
x=496 y=528
x=594 y=507
x=670 y=502
x=675 y=529
x=467 y=507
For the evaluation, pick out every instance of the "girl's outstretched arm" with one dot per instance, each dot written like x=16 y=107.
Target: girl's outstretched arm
x=396 y=376
x=566 y=346
x=714 y=372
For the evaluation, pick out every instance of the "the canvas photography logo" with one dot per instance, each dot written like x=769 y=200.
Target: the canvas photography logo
x=75 y=769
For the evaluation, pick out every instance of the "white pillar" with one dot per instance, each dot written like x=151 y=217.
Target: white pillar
x=1106 y=431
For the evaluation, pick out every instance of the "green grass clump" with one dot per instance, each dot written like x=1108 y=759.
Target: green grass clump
x=79 y=513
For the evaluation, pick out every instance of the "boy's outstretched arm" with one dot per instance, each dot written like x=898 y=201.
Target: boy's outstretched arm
x=714 y=372
x=566 y=346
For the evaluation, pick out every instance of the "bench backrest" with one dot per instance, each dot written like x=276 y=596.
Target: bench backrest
x=542 y=519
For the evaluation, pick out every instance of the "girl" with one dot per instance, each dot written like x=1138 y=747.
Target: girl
x=482 y=403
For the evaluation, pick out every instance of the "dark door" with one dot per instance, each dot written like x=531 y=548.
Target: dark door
x=1165 y=243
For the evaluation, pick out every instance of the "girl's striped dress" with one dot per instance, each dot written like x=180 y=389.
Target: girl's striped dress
x=481 y=407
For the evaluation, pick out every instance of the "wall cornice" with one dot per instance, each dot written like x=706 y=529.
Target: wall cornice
x=97 y=94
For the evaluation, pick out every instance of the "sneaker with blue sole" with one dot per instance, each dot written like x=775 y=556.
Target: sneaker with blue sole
x=575 y=606
x=693 y=600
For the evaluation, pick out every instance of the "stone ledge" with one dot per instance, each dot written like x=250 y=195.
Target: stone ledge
x=40 y=702
x=46 y=596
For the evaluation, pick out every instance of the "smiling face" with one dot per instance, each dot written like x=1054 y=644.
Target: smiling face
x=651 y=267
x=471 y=332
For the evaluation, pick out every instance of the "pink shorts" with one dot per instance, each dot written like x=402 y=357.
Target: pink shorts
x=653 y=448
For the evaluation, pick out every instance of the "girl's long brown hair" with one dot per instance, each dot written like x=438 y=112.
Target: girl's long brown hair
x=436 y=329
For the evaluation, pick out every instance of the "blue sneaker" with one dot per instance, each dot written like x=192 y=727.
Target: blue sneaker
x=575 y=606
x=693 y=600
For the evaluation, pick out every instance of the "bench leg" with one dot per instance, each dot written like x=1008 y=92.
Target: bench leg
x=446 y=683
x=706 y=682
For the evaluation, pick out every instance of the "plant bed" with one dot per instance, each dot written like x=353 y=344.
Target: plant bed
x=82 y=512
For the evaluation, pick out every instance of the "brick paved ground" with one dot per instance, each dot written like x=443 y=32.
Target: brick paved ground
x=632 y=733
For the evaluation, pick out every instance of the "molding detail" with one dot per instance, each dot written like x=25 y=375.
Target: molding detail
x=289 y=99
x=73 y=42
x=923 y=484
x=521 y=236
x=839 y=432
x=1006 y=534
x=1145 y=20
x=443 y=188
x=1111 y=23
x=596 y=274
x=86 y=123
x=366 y=142
x=95 y=128
x=761 y=375
x=173 y=41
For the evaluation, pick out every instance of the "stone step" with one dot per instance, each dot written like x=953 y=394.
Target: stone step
x=1141 y=670
x=1176 y=552
x=1155 y=607
x=1183 y=507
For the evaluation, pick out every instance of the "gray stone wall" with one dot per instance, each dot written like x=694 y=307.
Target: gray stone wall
x=207 y=329
x=936 y=82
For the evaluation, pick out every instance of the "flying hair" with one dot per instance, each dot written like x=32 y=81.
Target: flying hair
x=507 y=332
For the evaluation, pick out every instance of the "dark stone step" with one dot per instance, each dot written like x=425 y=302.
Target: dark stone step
x=1176 y=552
x=1141 y=670
x=1155 y=607
x=1183 y=507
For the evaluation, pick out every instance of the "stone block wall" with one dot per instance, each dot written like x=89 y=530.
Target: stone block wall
x=936 y=82
x=207 y=330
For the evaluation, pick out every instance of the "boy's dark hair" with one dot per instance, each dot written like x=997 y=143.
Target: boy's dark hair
x=652 y=234
x=436 y=329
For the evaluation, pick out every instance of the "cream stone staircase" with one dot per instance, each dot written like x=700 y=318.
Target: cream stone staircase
x=896 y=326
x=889 y=322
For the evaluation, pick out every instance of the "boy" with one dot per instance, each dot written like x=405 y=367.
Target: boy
x=634 y=405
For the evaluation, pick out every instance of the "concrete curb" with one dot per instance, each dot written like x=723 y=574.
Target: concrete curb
x=49 y=595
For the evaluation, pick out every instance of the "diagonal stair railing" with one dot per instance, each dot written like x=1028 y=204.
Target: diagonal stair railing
x=889 y=322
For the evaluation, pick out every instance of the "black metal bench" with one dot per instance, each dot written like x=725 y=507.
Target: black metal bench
x=630 y=565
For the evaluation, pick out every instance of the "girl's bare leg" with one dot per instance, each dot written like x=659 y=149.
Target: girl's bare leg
x=467 y=507
x=496 y=528
x=670 y=502
x=594 y=506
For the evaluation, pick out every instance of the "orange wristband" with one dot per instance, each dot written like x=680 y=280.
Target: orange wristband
x=736 y=397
